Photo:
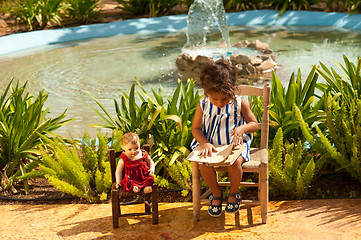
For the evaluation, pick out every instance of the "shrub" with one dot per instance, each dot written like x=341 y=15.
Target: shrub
x=38 y=14
x=84 y=11
x=282 y=114
x=292 y=168
x=348 y=84
x=22 y=118
x=165 y=120
x=154 y=8
x=344 y=129
x=241 y=5
x=81 y=170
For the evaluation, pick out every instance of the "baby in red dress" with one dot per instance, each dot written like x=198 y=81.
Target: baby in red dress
x=135 y=169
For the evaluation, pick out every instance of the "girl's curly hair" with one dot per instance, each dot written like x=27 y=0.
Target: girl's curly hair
x=219 y=76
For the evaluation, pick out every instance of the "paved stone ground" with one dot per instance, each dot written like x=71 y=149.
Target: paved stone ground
x=309 y=219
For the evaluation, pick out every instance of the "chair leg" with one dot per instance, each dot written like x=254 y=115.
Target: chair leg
x=249 y=216
x=115 y=208
x=155 y=215
x=264 y=191
x=196 y=191
x=147 y=203
x=236 y=219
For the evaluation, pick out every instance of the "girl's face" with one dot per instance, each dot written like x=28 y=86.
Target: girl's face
x=218 y=99
x=131 y=149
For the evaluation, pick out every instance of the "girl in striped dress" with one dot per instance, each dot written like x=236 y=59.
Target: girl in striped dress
x=222 y=118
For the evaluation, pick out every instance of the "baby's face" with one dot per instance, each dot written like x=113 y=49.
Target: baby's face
x=131 y=149
x=218 y=99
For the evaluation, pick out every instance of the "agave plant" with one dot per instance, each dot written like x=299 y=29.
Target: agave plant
x=22 y=118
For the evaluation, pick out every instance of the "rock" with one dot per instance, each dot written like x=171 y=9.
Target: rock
x=264 y=57
x=255 y=61
x=266 y=65
x=180 y=63
x=191 y=66
x=203 y=59
x=3 y=24
x=260 y=46
x=239 y=59
x=239 y=68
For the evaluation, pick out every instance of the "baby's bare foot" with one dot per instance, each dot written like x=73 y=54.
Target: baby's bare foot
x=148 y=189
x=136 y=189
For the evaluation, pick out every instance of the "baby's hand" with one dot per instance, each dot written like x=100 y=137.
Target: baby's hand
x=237 y=135
x=207 y=150
x=151 y=172
x=117 y=185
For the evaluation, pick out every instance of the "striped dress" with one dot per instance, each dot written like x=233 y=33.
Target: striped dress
x=218 y=124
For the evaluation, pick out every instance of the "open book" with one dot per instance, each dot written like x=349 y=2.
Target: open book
x=226 y=155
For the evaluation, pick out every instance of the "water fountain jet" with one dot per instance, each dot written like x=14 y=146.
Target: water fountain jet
x=248 y=58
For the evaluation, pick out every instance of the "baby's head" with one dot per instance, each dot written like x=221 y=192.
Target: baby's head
x=130 y=144
x=219 y=78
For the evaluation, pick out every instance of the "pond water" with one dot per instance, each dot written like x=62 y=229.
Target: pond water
x=105 y=67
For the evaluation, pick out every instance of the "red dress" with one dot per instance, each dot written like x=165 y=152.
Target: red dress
x=135 y=173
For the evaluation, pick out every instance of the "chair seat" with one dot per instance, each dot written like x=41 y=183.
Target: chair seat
x=258 y=156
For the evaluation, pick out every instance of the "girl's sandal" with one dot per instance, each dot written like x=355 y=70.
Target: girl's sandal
x=215 y=210
x=233 y=207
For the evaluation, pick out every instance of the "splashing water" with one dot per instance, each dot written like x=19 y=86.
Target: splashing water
x=202 y=16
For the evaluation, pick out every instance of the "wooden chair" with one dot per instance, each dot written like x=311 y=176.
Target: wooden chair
x=258 y=163
x=151 y=206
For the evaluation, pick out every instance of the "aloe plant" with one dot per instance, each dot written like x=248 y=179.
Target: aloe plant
x=22 y=118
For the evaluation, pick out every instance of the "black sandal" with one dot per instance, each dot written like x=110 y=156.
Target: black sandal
x=215 y=211
x=233 y=207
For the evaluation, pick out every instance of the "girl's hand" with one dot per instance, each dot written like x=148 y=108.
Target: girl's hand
x=207 y=150
x=151 y=172
x=237 y=135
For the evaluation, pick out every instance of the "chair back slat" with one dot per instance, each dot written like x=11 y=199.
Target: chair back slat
x=265 y=92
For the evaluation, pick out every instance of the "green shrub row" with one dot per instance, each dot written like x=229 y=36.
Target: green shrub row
x=154 y=8
x=38 y=14
x=309 y=131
